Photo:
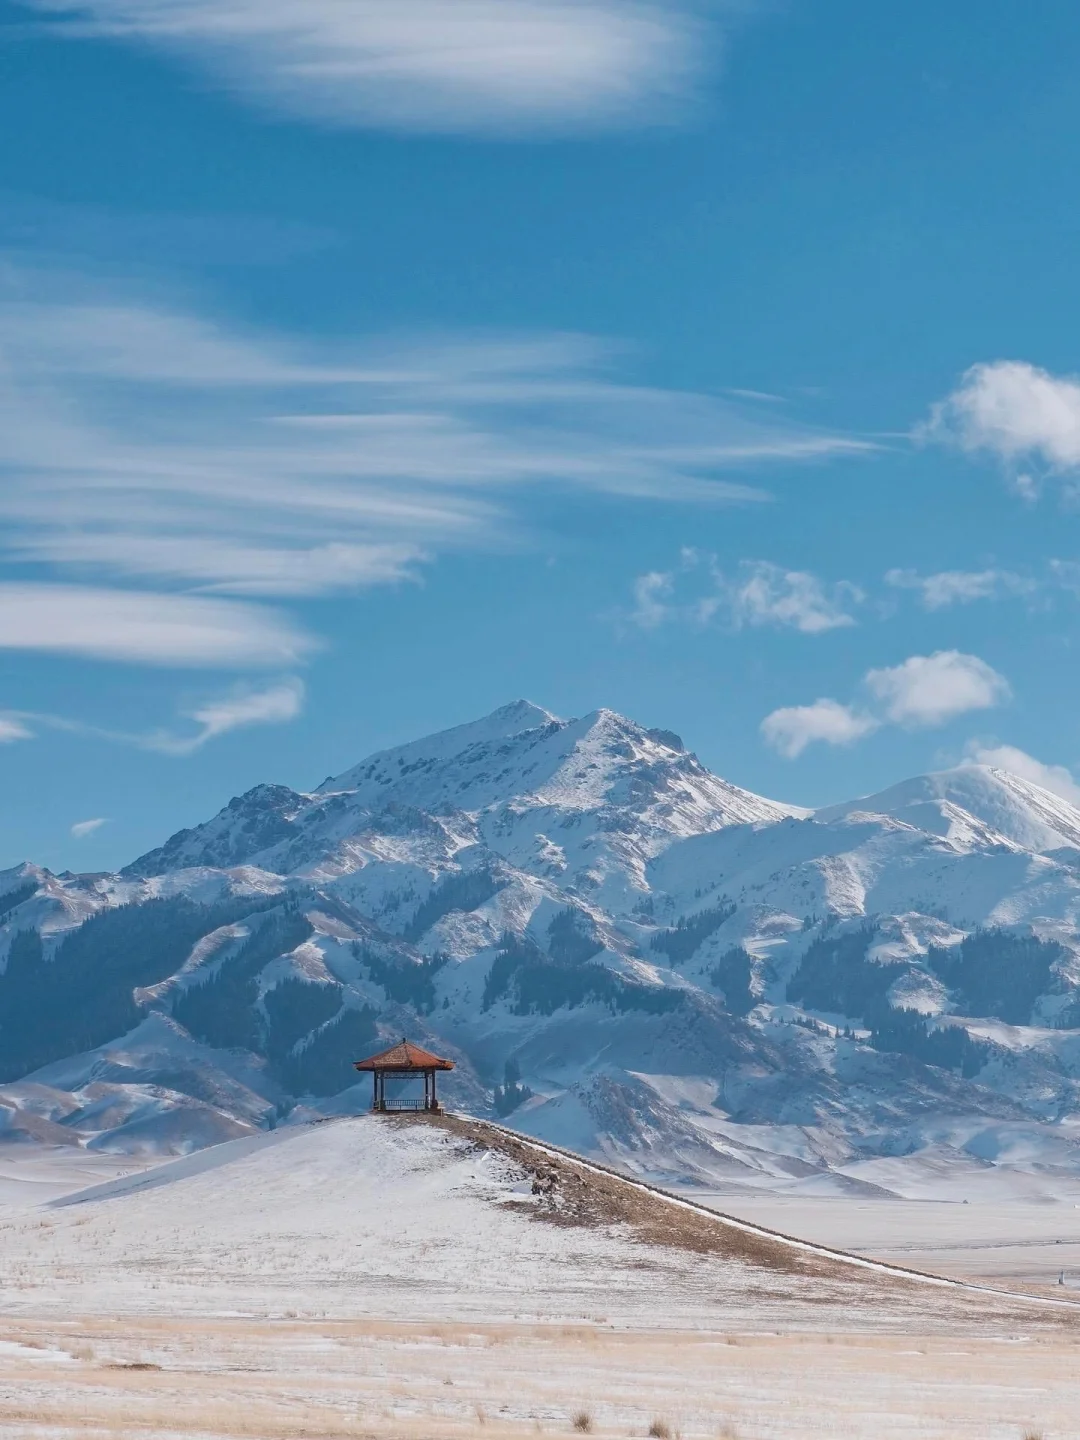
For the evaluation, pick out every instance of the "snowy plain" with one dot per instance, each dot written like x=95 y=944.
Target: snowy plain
x=385 y=1278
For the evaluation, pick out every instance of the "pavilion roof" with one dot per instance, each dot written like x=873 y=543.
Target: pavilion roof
x=405 y=1056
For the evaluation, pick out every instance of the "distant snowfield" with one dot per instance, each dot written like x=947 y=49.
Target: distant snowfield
x=35 y=1174
x=375 y=1277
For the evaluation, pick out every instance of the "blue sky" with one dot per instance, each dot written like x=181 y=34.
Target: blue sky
x=367 y=364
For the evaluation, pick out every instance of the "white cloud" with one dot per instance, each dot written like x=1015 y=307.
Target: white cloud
x=651 y=593
x=766 y=594
x=12 y=728
x=924 y=690
x=275 y=705
x=490 y=66
x=792 y=729
x=697 y=591
x=959 y=587
x=243 y=706
x=230 y=566
x=126 y=625
x=142 y=443
x=930 y=689
x=82 y=828
x=1055 y=778
x=1015 y=411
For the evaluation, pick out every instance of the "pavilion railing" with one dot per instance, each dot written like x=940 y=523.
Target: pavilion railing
x=403 y=1105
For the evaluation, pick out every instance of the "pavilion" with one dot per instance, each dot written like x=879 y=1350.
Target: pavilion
x=403 y=1061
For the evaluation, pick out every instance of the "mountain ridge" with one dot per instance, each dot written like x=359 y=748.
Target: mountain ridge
x=670 y=962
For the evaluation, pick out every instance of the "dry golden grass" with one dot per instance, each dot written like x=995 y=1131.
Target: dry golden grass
x=370 y=1380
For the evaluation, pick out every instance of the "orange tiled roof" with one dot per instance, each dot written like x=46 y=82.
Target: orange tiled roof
x=405 y=1056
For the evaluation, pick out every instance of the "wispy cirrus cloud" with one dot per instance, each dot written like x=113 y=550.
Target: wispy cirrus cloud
x=141 y=443
x=921 y=692
x=147 y=629
x=960 y=587
x=272 y=705
x=465 y=66
x=84 y=828
x=754 y=593
x=240 y=708
x=12 y=729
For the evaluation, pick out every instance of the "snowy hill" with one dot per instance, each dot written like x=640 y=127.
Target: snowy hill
x=460 y=1222
x=622 y=951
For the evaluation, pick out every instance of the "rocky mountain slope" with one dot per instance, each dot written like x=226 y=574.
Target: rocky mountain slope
x=623 y=953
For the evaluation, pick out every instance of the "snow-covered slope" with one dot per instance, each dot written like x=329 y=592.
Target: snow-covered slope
x=459 y=1222
x=975 y=805
x=590 y=799
x=620 y=950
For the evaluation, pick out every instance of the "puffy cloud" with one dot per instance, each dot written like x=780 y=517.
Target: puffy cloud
x=1015 y=411
x=126 y=625
x=1055 y=778
x=451 y=65
x=930 y=689
x=82 y=828
x=792 y=729
x=959 y=587
x=924 y=690
x=766 y=594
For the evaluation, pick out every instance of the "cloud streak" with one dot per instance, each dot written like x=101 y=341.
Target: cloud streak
x=12 y=729
x=960 y=587
x=83 y=828
x=276 y=705
x=131 y=626
x=459 y=66
x=141 y=443
x=242 y=707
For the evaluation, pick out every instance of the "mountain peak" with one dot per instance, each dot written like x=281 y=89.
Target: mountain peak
x=520 y=715
x=517 y=718
x=974 y=804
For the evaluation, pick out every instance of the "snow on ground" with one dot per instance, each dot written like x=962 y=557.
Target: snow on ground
x=32 y=1175
x=1015 y=1244
x=372 y=1216
x=410 y=1280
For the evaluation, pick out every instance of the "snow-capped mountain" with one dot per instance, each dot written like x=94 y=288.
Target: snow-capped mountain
x=621 y=950
x=975 y=805
x=612 y=794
